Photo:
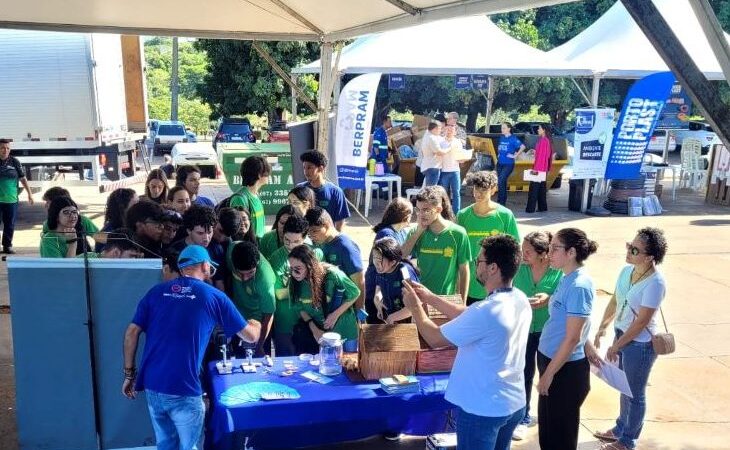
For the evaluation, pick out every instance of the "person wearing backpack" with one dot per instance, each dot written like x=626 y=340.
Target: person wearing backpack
x=255 y=171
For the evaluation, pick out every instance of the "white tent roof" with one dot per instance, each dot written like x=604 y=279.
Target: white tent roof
x=616 y=47
x=466 y=45
x=327 y=20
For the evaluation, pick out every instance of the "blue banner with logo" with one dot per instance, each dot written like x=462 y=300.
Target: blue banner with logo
x=479 y=81
x=639 y=116
x=677 y=110
x=462 y=81
x=396 y=81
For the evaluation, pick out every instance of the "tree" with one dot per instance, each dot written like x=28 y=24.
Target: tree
x=238 y=81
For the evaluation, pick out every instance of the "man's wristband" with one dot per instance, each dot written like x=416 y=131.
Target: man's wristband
x=130 y=373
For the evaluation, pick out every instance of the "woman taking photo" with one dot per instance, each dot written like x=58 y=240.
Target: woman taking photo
x=60 y=241
x=273 y=239
x=508 y=148
x=561 y=360
x=640 y=290
x=325 y=297
x=155 y=188
x=395 y=223
x=538 y=281
x=392 y=269
x=543 y=160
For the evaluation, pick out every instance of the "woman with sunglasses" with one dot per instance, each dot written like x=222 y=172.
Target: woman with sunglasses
x=561 y=358
x=61 y=240
x=639 y=292
x=325 y=297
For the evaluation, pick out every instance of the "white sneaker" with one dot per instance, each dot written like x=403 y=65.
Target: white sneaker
x=520 y=433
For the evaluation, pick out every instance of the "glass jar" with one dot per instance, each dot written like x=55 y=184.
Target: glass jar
x=330 y=354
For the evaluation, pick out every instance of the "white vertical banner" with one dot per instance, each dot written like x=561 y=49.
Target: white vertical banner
x=352 y=137
x=592 y=142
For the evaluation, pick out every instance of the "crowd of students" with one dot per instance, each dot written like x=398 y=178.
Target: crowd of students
x=525 y=304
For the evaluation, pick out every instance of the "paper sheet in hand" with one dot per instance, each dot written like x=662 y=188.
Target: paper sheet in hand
x=533 y=175
x=614 y=377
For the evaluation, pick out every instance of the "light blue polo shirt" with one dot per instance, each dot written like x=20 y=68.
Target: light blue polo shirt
x=572 y=298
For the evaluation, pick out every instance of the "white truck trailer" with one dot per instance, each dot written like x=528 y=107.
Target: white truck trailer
x=63 y=102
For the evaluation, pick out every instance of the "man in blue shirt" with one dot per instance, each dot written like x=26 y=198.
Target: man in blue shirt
x=177 y=318
x=329 y=196
x=380 y=142
x=339 y=250
x=189 y=178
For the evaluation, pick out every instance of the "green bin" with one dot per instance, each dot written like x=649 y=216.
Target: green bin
x=274 y=194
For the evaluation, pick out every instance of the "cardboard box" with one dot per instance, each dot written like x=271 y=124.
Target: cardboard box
x=393 y=130
x=400 y=138
x=420 y=123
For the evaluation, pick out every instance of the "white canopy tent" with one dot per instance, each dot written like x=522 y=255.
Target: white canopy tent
x=615 y=47
x=464 y=45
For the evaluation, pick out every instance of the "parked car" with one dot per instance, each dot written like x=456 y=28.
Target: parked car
x=696 y=130
x=192 y=137
x=278 y=132
x=659 y=140
x=234 y=129
x=164 y=134
x=199 y=154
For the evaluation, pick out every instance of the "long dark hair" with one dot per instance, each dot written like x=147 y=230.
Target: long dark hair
x=249 y=235
x=289 y=210
x=546 y=129
x=316 y=272
x=116 y=207
x=397 y=211
x=54 y=209
x=390 y=250
x=304 y=194
x=156 y=174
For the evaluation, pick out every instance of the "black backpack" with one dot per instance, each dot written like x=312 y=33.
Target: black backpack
x=226 y=203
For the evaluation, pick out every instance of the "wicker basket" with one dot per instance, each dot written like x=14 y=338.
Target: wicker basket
x=386 y=350
x=436 y=360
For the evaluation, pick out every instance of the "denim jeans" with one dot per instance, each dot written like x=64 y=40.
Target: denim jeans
x=503 y=173
x=8 y=213
x=451 y=181
x=636 y=359
x=431 y=177
x=485 y=433
x=176 y=419
x=533 y=341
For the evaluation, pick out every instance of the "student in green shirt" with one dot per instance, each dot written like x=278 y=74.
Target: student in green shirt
x=255 y=171
x=286 y=315
x=84 y=222
x=273 y=238
x=440 y=246
x=538 y=281
x=253 y=291
x=325 y=297
x=11 y=172
x=483 y=219
x=60 y=240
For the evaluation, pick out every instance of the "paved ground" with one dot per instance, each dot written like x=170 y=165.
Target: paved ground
x=689 y=391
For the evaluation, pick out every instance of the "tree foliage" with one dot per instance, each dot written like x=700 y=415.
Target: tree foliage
x=191 y=70
x=239 y=81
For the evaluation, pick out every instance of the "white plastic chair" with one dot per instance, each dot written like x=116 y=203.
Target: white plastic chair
x=692 y=169
x=412 y=192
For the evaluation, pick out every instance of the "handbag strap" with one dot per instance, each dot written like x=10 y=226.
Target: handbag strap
x=647 y=328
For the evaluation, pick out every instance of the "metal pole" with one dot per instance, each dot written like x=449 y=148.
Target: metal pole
x=325 y=92
x=294 y=105
x=174 y=84
x=490 y=102
x=594 y=104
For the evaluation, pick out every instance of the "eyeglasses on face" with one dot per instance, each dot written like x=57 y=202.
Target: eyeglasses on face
x=552 y=247
x=70 y=212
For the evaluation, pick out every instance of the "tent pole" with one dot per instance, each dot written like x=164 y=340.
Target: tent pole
x=581 y=91
x=594 y=104
x=713 y=31
x=490 y=101
x=325 y=92
x=282 y=73
x=294 y=105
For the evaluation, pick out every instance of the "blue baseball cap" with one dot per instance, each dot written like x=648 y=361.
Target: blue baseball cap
x=192 y=255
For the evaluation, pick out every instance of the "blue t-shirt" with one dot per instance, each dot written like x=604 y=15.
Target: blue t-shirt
x=330 y=198
x=391 y=286
x=204 y=201
x=572 y=298
x=177 y=317
x=508 y=146
x=344 y=253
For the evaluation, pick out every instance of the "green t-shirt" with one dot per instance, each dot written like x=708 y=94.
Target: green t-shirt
x=335 y=279
x=269 y=243
x=439 y=257
x=251 y=203
x=498 y=221
x=255 y=297
x=287 y=313
x=11 y=171
x=90 y=255
x=53 y=245
x=86 y=223
x=547 y=285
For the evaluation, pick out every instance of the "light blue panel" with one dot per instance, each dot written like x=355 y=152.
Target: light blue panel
x=53 y=390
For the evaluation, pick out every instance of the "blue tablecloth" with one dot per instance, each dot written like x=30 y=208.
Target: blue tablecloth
x=335 y=412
